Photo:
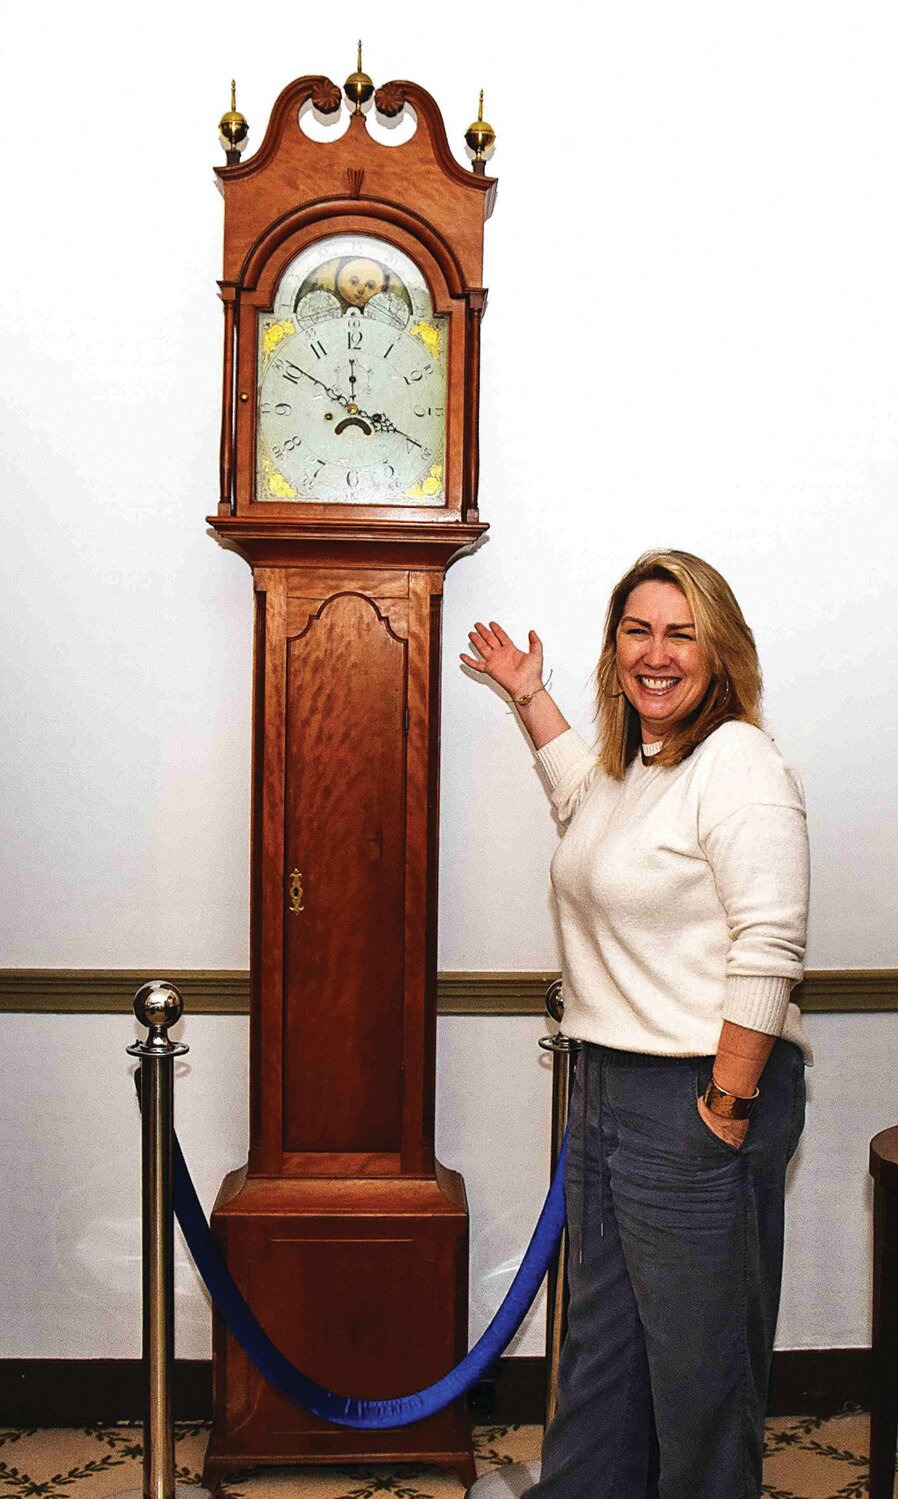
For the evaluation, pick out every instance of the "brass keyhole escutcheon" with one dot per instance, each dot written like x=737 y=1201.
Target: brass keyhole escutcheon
x=294 y=881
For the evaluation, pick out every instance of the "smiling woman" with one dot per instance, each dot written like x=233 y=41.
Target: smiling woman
x=681 y=885
x=677 y=650
x=661 y=667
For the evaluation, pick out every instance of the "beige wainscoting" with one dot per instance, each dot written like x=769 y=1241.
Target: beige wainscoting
x=225 y=991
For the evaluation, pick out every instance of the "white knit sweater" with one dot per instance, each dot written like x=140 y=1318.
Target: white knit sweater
x=682 y=894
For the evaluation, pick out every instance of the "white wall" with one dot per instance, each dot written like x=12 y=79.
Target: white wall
x=692 y=339
x=69 y=1156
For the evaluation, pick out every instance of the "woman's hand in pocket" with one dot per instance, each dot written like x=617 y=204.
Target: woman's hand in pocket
x=731 y=1131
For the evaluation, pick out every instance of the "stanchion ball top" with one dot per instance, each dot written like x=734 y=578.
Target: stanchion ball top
x=158 y=1005
x=555 y=1001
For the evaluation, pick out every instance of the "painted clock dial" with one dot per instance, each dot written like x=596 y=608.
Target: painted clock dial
x=351 y=380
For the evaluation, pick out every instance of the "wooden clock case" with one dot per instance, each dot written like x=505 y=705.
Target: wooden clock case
x=346 y=1235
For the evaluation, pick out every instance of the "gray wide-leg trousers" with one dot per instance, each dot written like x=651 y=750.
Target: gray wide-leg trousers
x=675 y=1264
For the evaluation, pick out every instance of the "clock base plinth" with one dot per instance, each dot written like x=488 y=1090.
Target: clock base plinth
x=219 y=1463
x=362 y=1284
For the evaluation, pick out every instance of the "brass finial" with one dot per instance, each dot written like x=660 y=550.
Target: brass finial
x=358 y=87
x=480 y=136
x=233 y=129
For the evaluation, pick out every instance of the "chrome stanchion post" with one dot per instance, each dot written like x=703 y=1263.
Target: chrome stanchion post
x=510 y=1481
x=158 y=1006
x=564 y=1060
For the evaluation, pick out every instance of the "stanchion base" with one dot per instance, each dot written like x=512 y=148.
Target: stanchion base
x=507 y=1482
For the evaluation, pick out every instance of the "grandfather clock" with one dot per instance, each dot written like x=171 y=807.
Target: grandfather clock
x=353 y=295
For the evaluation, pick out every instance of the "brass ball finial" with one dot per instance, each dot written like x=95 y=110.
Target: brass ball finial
x=233 y=129
x=358 y=87
x=480 y=135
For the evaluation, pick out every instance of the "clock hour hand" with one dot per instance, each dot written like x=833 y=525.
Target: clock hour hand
x=335 y=395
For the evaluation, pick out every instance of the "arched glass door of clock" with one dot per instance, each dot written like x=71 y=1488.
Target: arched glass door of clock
x=351 y=380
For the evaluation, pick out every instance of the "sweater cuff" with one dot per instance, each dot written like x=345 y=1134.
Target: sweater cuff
x=759 y=1002
x=562 y=755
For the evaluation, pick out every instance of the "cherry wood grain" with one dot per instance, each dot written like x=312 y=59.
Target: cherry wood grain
x=350 y=1280
x=415 y=196
x=344 y=828
x=441 y=274
x=354 y=541
x=348 y=1237
x=305 y=1276
x=420 y=177
x=226 y=447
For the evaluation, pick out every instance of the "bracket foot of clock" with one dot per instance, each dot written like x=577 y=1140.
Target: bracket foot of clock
x=218 y=1466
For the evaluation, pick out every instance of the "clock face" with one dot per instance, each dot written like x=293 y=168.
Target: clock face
x=351 y=380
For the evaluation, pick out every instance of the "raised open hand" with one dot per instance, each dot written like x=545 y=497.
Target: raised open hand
x=519 y=672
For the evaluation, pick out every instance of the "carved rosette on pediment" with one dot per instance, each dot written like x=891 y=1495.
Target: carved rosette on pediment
x=325 y=96
x=389 y=99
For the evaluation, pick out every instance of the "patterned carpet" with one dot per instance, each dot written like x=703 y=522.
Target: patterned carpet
x=808 y=1457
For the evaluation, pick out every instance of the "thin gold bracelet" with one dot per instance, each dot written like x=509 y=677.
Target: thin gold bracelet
x=528 y=697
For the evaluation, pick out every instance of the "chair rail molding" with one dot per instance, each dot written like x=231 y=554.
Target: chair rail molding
x=225 y=991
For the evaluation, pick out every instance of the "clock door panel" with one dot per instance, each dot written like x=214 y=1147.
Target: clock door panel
x=344 y=835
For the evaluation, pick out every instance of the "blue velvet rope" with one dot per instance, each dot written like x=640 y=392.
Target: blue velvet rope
x=343 y=1410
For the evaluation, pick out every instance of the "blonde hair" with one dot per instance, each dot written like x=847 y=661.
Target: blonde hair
x=727 y=646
